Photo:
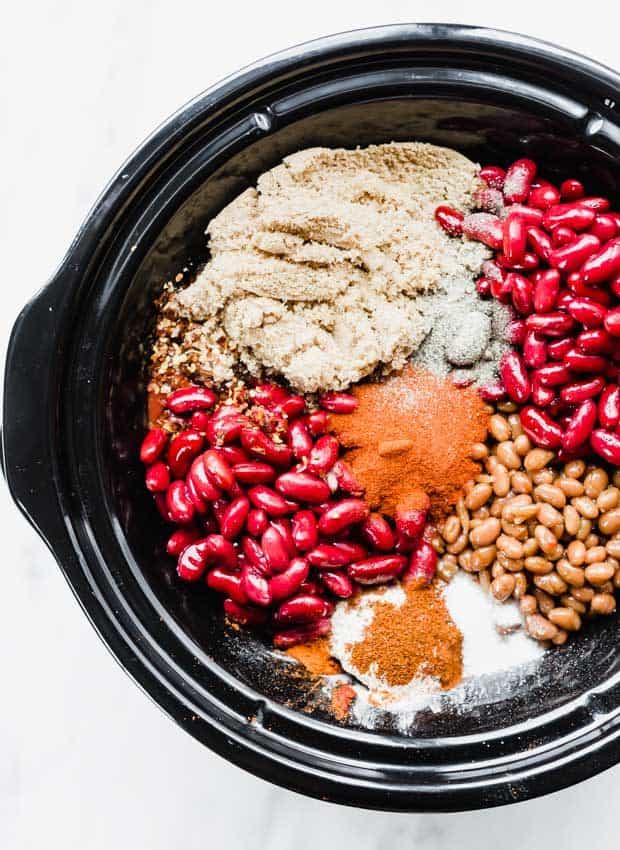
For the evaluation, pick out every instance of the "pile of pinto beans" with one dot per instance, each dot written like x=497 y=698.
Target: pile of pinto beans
x=557 y=262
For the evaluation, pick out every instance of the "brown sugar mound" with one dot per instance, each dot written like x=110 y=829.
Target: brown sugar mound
x=417 y=639
x=431 y=422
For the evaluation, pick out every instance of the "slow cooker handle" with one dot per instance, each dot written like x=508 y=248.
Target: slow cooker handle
x=29 y=410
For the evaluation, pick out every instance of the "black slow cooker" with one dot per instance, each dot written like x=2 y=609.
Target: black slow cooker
x=74 y=411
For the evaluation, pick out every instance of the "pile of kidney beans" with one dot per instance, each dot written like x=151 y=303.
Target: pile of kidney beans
x=557 y=262
x=269 y=515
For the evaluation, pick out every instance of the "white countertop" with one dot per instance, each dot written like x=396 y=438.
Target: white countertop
x=87 y=761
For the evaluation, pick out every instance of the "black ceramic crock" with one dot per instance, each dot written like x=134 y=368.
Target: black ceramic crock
x=74 y=411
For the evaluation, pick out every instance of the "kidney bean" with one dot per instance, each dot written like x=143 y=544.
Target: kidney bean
x=153 y=445
x=518 y=180
x=317 y=422
x=302 y=634
x=304 y=530
x=581 y=390
x=323 y=455
x=354 y=551
x=609 y=407
x=302 y=609
x=595 y=341
x=244 y=614
x=346 y=480
x=192 y=561
x=160 y=503
x=337 y=583
x=515 y=377
x=521 y=292
x=550 y=324
x=603 y=264
x=450 y=219
x=540 y=242
x=492 y=391
x=255 y=585
x=254 y=472
x=189 y=399
x=579 y=426
x=546 y=291
x=202 y=481
x=540 y=428
x=178 y=501
x=232 y=454
x=541 y=395
x=181 y=538
x=614 y=285
x=553 y=375
x=293 y=406
x=218 y=469
x=299 y=440
x=600 y=205
x=311 y=587
x=562 y=235
x=607 y=445
x=260 y=445
x=559 y=347
x=483 y=287
x=230 y=584
x=612 y=322
x=222 y=552
x=377 y=569
x=543 y=195
x=234 y=517
x=493 y=176
x=302 y=486
x=493 y=270
x=484 y=227
x=257 y=522
x=328 y=556
x=289 y=581
x=569 y=215
x=500 y=290
x=275 y=549
x=529 y=263
x=255 y=555
x=157 y=477
x=269 y=395
x=338 y=402
x=514 y=238
x=183 y=448
x=377 y=531
x=199 y=421
x=577 y=361
x=589 y=313
x=270 y=501
x=572 y=189
x=604 y=227
x=515 y=332
x=570 y=257
x=225 y=427
x=284 y=526
x=343 y=514
x=534 y=351
x=422 y=565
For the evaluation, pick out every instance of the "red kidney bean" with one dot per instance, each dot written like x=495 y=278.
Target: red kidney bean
x=493 y=176
x=493 y=270
x=492 y=391
x=515 y=332
x=328 y=556
x=543 y=195
x=540 y=241
x=521 y=291
x=450 y=219
x=579 y=426
x=562 y=235
x=244 y=614
x=553 y=375
x=230 y=584
x=489 y=200
x=514 y=377
x=157 y=477
x=577 y=361
x=345 y=478
x=160 y=504
x=275 y=549
x=193 y=560
x=255 y=555
x=189 y=399
x=304 y=530
x=604 y=227
x=324 y=455
x=337 y=583
x=153 y=445
x=203 y=482
x=588 y=313
x=354 y=551
x=302 y=486
x=595 y=341
x=269 y=395
x=270 y=501
x=180 y=506
x=564 y=299
x=181 y=538
x=515 y=238
x=541 y=395
x=225 y=428
x=200 y=421
x=550 y=324
x=569 y=215
x=559 y=347
x=500 y=290
x=609 y=407
x=422 y=565
x=614 y=285
x=311 y=587
x=302 y=634
x=302 y=609
x=518 y=181
x=581 y=390
x=218 y=470
x=222 y=553
x=534 y=351
x=201 y=506
x=234 y=517
x=572 y=190
x=338 y=402
x=257 y=522
x=289 y=581
x=600 y=205
x=483 y=287
x=254 y=472
x=299 y=439
x=255 y=585
x=570 y=257
x=603 y=264
x=317 y=422
x=410 y=522
x=607 y=445
x=546 y=291
x=183 y=448
x=233 y=454
x=529 y=262
x=294 y=406
x=260 y=445
x=612 y=322
x=377 y=531
x=343 y=514
x=285 y=527
x=540 y=428
x=377 y=569
x=484 y=227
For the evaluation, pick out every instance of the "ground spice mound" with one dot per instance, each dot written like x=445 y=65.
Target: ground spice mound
x=417 y=639
x=413 y=431
x=316 y=658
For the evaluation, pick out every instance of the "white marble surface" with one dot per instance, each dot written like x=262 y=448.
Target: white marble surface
x=87 y=761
